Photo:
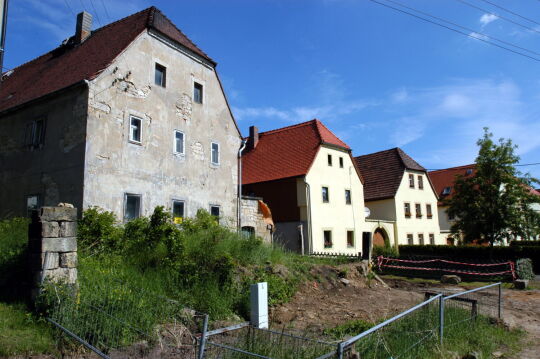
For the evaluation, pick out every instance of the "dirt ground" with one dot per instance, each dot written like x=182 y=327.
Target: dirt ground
x=332 y=301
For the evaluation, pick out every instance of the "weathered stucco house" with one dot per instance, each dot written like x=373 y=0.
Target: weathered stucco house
x=400 y=197
x=125 y=117
x=308 y=178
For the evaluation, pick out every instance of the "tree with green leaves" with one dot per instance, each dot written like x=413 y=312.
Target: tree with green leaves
x=496 y=203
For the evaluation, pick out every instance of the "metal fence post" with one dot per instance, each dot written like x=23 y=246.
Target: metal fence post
x=340 y=351
x=441 y=319
x=203 y=337
x=500 y=301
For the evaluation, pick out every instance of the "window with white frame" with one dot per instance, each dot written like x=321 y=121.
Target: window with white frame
x=410 y=239
x=160 y=75
x=178 y=142
x=135 y=129
x=132 y=206
x=431 y=238
x=197 y=92
x=327 y=239
x=420 y=182
x=215 y=153
x=411 y=180
x=178 y=209
x=421 y=238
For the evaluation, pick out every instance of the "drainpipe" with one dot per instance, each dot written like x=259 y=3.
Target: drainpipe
x=308 y=203
x=239 y=191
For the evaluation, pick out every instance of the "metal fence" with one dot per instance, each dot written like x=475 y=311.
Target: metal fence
x=125 y=321
x=414 y=333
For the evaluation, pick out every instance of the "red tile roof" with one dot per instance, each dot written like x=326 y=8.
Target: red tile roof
x=286 y=152
x=445 y=178
x=72 y=63
x=383 y=171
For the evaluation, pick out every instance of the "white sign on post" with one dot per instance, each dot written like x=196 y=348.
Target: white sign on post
x=259 y=305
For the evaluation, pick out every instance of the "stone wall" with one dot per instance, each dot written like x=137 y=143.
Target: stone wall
x=253 y=216
x=53 y=245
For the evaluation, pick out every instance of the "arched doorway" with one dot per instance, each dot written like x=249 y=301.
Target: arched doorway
x=379 y=237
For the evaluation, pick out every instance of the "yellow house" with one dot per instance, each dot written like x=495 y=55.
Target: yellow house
x=400 y=199
x=307 y=176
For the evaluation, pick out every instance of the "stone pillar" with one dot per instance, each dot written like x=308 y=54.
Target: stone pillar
x=53 y=246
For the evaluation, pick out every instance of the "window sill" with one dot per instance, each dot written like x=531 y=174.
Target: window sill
x=430 y=217
x=407 y=215
x=135 y=143
x=419 y=217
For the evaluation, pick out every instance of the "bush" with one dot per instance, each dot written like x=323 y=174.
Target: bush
x=524 y=243
x=98 y=231
x=524 y=268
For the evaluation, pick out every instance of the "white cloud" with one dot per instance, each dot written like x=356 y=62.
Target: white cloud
x=487 y=18
x=478 y=36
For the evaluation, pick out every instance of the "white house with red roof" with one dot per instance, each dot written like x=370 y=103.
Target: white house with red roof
x=125 y=117
x=307 y=176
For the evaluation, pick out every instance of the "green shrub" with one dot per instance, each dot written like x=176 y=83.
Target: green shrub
x=525 y=243
x=385 y=251
x=98 y=231
x=524 y=268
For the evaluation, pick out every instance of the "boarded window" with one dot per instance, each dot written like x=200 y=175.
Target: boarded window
x=197 y=92
x=178 y=208
x=348 y=196
x=135 y=129
x=179 y=142
x=160 y=75
x=350 y=239
x=215 y=153
x=325 y=195
x=327 y=239
x=132 y=206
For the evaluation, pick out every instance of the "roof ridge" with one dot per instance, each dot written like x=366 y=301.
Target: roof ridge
x=180 y=31
x=374 y=153
x=453 y=168
x=63 y=45
x=286 y=128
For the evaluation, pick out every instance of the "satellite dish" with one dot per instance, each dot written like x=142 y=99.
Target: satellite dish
x=367 y=212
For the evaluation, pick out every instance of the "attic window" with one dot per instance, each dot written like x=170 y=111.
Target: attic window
x=329 y=160
x=197 y=92
x=420 y=182
x=341 y=162
x=160 y=75
x=446 y=191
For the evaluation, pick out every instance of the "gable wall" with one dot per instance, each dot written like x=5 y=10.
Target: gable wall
x=115 y=166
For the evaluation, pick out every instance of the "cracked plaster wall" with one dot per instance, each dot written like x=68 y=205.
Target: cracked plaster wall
x=114 y=166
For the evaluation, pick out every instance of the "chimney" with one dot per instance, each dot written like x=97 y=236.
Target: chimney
x=84 y=27
x=253 y=139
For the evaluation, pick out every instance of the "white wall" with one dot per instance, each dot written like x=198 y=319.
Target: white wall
x=336 y=215
x=413 y=224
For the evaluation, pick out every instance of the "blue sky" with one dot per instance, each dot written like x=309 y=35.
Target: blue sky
x=376 y=77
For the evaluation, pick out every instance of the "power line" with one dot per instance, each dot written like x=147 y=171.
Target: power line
x=463 y=27
x=499 y=16
x=95 y=11
x=455 y=30
x=106 y=11
x=69 y=7
x=511 y=12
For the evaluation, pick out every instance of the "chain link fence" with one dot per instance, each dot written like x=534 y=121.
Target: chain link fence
x=125 y=321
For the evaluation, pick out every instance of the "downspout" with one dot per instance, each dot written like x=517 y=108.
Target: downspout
x=308 y=204
x=239 y=190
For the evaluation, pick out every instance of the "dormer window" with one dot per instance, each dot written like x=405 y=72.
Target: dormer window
x=446 y=191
